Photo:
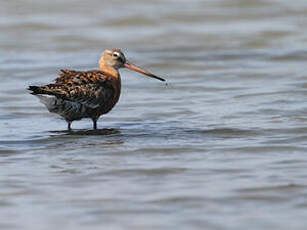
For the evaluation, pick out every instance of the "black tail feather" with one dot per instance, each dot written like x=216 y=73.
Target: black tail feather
x=35 y=90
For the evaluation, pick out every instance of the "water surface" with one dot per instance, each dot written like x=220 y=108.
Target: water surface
x=222 y=146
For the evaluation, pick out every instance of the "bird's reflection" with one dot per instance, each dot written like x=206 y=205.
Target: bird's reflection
x=89 y=132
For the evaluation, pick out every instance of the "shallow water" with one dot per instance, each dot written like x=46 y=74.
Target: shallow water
x=222 y=146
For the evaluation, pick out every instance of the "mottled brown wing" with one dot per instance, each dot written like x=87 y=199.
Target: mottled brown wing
x=89 y=88
x=67 y=76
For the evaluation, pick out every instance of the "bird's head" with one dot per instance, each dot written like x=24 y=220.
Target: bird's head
x=116 y=59
x=112 y=58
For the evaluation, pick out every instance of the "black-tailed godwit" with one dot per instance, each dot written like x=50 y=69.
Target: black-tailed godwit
x=87 y=94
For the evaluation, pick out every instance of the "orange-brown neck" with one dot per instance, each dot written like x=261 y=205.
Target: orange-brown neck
x=113 y=76
x=108 y=69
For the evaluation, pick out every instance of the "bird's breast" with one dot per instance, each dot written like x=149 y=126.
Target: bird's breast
x=116 y=85
x=109 y=95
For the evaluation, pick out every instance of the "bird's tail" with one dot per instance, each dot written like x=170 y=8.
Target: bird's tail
x=44 y=96
x=36 y=90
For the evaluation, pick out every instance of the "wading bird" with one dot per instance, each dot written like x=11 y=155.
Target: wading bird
x=87 y=94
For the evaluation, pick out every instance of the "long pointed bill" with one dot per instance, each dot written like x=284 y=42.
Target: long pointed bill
x=137 y=69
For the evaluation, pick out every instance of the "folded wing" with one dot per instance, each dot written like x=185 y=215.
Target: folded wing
x=90 y=88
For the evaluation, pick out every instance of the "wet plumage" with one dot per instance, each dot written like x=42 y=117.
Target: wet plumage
x=86 y=94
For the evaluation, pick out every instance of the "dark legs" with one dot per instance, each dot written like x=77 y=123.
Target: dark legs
x=95 y=123
x=68 y=125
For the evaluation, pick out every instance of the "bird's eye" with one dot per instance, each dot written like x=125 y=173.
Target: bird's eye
x=115 y=54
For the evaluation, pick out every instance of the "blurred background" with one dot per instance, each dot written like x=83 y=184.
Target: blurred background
x=222 y=146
